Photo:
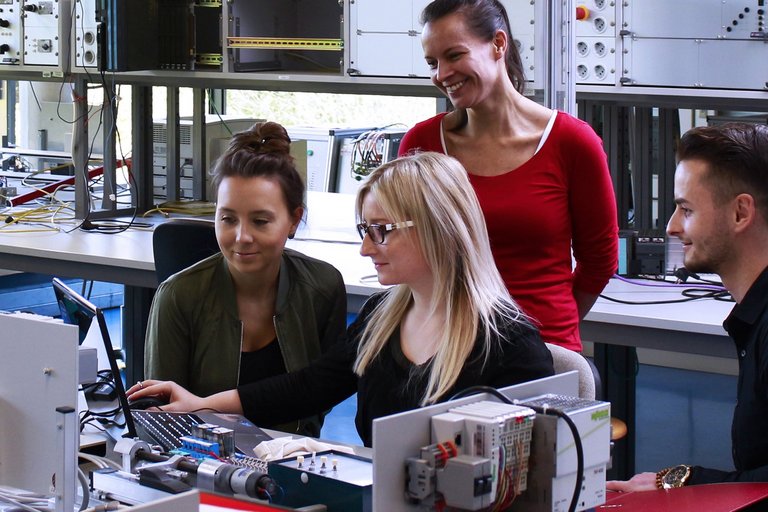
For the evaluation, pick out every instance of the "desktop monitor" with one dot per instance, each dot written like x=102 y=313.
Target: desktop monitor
x=358 y=156
x=76 y=310
x=399 y=436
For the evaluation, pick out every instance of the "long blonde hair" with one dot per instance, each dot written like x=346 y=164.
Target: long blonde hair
x=434 y=192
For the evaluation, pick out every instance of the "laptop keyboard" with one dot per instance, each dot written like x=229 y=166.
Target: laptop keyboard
x=164 y=428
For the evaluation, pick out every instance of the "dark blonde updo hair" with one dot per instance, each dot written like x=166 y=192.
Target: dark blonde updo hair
x=263 y=150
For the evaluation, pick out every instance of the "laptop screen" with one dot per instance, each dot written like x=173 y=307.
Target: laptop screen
x=76 y=310
x=73 y=313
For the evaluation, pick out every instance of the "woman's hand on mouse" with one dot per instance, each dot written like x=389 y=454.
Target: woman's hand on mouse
x=178 y=398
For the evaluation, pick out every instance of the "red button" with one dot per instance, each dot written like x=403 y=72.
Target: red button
x=582 y=13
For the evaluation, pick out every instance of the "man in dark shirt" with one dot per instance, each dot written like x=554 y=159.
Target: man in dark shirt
x=721 y=193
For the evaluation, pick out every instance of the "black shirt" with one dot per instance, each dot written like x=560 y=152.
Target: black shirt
x=391 y=383
x=262 y=363
x=748 y=327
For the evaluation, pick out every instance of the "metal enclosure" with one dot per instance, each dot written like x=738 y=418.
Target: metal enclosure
x=291 y=35
x=721 y=44
x=38 y=376
x=35 y=34
x=597 y=43
x=45 y=23
x=218 y=131
x=11 y=42
x=712 y=44
x=85 y=50
x=385 y=37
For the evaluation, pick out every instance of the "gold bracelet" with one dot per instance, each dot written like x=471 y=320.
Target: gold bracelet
x=660 y=475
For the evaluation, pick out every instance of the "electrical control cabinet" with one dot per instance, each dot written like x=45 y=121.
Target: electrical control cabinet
x=712 y=44
x=596 y=43
x=38 y=405
x=298 y=35
x=127 y=36
x=208 y=44
x=554 y=455
x=218 y=131
x=11 y=43
x=85 y=48
x=340 y=481
x=35 y=34
x=46 y=27
x=323 y=147
x=722 y=44
x=526 y=21
x=339 y=159
x=358 y=157
x=719 y=45
x=385 y=37
x=492 y=430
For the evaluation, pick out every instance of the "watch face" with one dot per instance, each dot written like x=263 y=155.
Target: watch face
x=676 y=476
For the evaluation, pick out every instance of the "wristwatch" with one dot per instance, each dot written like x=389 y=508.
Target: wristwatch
x=674 y=477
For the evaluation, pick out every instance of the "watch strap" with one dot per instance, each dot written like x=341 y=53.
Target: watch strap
x=660 y=476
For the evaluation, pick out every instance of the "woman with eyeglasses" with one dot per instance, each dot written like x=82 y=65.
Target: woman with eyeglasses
x=448 y=322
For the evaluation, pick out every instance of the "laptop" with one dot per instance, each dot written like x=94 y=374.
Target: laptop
x=155 y=427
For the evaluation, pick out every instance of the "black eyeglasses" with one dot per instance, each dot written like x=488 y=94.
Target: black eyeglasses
x=378 y=232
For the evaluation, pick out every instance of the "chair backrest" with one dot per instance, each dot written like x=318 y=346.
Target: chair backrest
x=566 y=360
x=180 y=243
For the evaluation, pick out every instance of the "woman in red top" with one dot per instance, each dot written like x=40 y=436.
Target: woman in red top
x=541 y=175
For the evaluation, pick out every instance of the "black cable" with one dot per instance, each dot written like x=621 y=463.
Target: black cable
x=699 y=293
x=207 y=409
x=100 y=420
x=681 y=276
x=473 y=390
x=690 y=294
x=113 y=226
x=216 y=111
x=102 y=414
x=34 y=94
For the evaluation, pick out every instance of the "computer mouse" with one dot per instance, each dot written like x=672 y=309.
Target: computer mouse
x=146 y=402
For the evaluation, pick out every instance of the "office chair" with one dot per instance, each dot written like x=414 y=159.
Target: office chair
x=566 y=360
x=180 y=243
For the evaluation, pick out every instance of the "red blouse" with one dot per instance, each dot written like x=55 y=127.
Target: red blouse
x=560 y=199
